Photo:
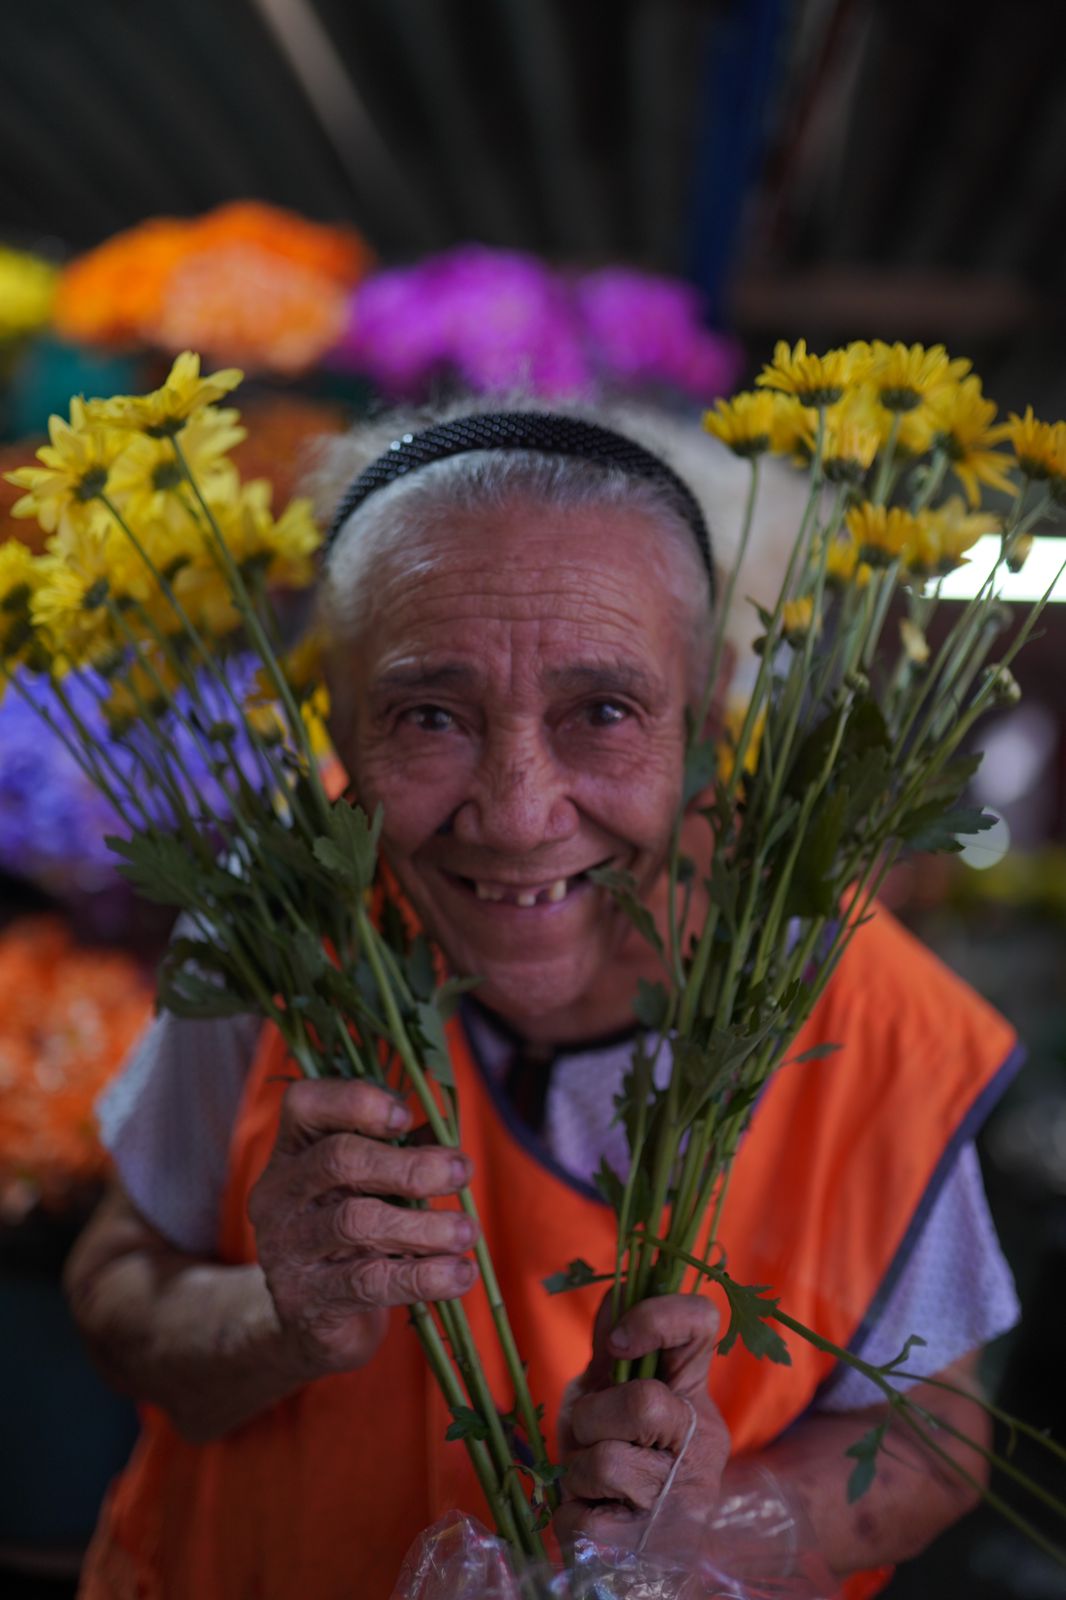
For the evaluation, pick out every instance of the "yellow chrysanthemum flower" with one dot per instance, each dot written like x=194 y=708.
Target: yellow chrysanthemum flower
x=955 y=530
x=744 y=423
x=315 y=713
x=1018 y=551
x=65 y=492
x=206 y=599
x=265 y=721
x=166 y=411
x=143 y=688
x=906 y=375
x=798 y=618
x=882 y=533
x=792 y=430
x=82 y=577
x=915 y=644
x=962 y=419
x=71 y=613
x=148 y=484
x=281 y=549
x=20 y=577
x=1039 y=447
x=813 y=380
x=27 y=290
x=735 y=717
x=842 y=564
x=18 y=568
x=852 y=437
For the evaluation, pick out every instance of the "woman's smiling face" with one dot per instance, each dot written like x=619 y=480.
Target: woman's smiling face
x=516 y=703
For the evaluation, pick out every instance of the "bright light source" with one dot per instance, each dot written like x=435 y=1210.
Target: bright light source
x=987 y=849
x=1046 y=559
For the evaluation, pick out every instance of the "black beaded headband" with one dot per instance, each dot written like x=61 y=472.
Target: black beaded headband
x=547 y=432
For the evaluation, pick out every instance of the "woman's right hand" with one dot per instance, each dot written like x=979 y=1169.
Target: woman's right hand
x=335 y=1248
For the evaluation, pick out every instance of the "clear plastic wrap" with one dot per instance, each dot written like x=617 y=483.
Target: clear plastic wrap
x=755 y=1545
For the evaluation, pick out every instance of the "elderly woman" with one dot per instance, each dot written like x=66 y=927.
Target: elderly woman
x=519 y=607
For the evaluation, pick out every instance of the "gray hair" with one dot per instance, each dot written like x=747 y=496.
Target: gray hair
x=494 y=480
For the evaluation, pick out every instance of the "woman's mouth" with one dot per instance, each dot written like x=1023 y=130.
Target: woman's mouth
x=549 y=892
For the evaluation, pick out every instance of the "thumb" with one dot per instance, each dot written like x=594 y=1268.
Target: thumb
x=681 y=1327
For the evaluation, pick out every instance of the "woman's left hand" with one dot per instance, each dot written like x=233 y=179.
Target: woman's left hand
x=621 y=1441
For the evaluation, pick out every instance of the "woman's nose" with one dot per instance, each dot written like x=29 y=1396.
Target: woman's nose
x=519 y=798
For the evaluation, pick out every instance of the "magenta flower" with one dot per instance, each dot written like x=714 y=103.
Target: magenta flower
x=497 y=319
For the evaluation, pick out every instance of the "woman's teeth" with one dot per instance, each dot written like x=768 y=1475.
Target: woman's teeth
x=548 y=894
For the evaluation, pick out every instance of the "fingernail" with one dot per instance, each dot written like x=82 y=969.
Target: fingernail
x=460 y=1171
x=464 y=1274
x=398 y=1117
x=619 y=1339
x=465 y=1231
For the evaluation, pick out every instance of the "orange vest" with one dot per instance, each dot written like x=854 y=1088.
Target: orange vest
x=320 y=1497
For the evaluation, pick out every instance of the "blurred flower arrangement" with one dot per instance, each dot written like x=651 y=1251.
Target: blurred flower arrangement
x=493 y=319
x=247 y=282
x=68 y=1015
x=263 y=287
x=158 y=578
x=27 y=293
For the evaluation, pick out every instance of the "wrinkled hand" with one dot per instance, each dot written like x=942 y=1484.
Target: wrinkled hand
x=622 y=1441
x=335 y=1253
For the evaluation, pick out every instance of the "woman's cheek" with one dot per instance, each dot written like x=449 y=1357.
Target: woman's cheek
x=417 y=789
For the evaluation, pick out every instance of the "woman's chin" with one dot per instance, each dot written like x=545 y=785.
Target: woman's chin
x=529 y=994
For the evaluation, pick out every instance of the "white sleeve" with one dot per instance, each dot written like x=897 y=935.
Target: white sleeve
x=167 y=1120
x=955 y=1291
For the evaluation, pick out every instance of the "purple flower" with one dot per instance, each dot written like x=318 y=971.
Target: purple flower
x=648 y=331
x=499 y=319
x=491 y=318
x=53 y=818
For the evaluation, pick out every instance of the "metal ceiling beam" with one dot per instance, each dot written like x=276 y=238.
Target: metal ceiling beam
x=345 y=120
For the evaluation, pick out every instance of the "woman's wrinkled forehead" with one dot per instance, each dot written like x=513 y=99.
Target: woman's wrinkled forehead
x=545 y=591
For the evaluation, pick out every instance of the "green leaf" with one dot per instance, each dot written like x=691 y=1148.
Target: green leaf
x=163 y=871
x=932 y=829
x=913 y=1341
x=809 y=760
x=749 y=1314
x=577 y=1275
x=609 y=1185
x=701 y=762
x=812 y=890
x=951 y=782
x=864 y=1452
x=723 y=888
x=187 y=994
x=467 y=1424
x=336 y=862
x=651 y=1005
x=354 y=837
x=447 y=996
x=622 y=886
x=815 y=1053
x=420 y=974
x=435 y=1044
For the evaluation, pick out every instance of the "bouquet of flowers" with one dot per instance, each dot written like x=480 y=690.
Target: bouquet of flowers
x=158 y=596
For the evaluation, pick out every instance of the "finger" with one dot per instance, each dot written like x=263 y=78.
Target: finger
x=379 y=1281
x=644 y=1412
x=613 y=1526
x=348 y=1161
x=377 y=1228
x=682 y=1326
x=613 y=1470
x=313 y=1108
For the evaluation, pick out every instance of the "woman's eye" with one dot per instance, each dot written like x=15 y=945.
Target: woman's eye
x=431 y=719
x=605 y=713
